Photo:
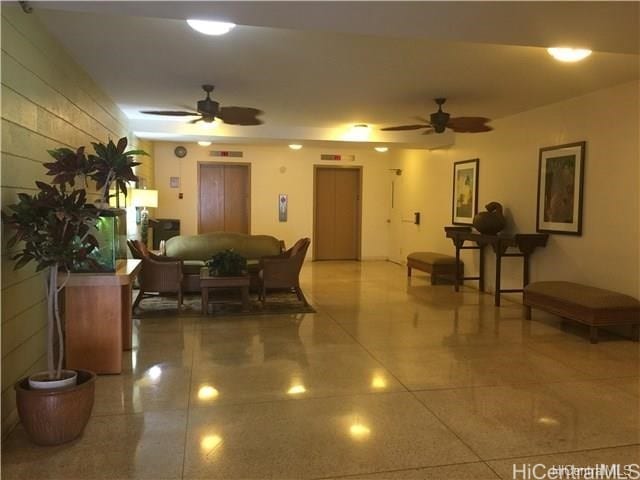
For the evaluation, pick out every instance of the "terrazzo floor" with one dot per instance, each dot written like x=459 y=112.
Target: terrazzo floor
x=391 y=378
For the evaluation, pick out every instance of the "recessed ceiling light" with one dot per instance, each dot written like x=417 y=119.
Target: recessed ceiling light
x=381 y=149
x=566 y=54
x=295 y=146
x=211 y=28
x=358 y=133
x=204 y=143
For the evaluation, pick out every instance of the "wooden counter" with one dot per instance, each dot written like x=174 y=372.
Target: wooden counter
x=98 y=317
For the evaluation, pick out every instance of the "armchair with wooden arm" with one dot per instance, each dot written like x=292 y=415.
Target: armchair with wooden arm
x=158 y=274
x=283 y=271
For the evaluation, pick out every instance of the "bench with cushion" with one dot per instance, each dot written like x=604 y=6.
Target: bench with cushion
x=440 y=267
x=589 y=305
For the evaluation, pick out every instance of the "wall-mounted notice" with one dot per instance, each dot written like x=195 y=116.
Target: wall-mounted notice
x=174 y=182
x=283 y=205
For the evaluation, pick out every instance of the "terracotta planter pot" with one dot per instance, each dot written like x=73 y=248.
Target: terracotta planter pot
x=52 y=417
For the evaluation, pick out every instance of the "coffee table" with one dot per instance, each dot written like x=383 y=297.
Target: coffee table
x=207 y=282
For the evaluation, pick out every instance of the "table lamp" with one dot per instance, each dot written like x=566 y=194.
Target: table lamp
x=144 y=199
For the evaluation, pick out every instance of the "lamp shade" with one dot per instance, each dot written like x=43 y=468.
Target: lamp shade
x=144 y=198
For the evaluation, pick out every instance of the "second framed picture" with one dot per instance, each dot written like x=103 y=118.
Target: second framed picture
x=560 y=181
x=465 y=192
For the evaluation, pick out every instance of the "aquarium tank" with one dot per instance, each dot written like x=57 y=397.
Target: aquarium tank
x=111 y=232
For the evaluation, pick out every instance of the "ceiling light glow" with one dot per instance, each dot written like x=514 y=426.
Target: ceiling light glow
x=208 y=27
x=381 y=149
x=358 y=133
x=566 y=54
x=203 y=143
x=295 y=146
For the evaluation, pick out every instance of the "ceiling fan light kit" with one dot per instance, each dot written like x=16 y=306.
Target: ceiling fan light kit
x=567 y=54
x=210 y=27
x=209 y=110
x=439 y=121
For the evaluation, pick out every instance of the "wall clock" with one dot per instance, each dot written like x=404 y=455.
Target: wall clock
x=180 y=151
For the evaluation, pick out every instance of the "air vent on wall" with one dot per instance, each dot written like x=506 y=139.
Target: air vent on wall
x=225 y=153
x=337 y=158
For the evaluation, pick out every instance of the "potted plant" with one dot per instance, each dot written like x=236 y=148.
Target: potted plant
x=113 y=164
x=227 y=263
x=54 y=229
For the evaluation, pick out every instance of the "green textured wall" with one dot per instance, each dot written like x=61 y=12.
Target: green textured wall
x=48 y=101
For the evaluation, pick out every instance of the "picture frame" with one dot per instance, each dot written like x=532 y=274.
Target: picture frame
x=283 y=207
x=560 y=189
x=464 y=204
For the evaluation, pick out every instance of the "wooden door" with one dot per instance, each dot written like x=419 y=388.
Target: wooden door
x=224 y=198
x=337 y=214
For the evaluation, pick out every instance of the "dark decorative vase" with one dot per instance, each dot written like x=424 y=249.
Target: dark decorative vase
x=491 y=221
x=53 y=417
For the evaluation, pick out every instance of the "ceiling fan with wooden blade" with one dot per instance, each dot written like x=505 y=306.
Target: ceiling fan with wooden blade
x=439 y=121
x=208 y=110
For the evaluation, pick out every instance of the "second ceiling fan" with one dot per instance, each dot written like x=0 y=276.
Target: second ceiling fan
x=439 y=121
x=208 y=110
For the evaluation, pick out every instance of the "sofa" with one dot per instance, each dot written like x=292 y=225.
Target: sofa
x=195 y=250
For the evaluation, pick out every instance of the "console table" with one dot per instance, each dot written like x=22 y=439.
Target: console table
x=525 y=243
x=97 y=315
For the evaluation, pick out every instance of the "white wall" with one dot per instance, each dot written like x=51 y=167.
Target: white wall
x=606 y=255
x=267 y=181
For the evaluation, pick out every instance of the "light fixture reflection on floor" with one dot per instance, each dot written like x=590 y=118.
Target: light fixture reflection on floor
x=154 y=372
x=207 y=392
x=359 y=431
x=210 y=442
x=296 y=390
x=379 y=382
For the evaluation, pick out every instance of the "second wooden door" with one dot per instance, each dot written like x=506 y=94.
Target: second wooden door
x=224 y=198
x=337 y=214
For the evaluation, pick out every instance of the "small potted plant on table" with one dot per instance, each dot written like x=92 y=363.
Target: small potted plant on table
x=227 y=263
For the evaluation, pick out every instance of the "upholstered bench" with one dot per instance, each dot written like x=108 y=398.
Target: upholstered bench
x=589 y=305
x=437 y=265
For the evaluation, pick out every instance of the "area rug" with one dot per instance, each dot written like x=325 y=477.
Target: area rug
x=221 y=303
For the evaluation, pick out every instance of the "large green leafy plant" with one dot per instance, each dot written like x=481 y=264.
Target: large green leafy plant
x=53 y=228
x=113 y=164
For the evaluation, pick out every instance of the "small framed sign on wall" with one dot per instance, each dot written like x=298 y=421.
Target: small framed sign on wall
x=174 y=182
x=283 y=206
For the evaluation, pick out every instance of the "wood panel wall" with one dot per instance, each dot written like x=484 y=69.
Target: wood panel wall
x=48 y=101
